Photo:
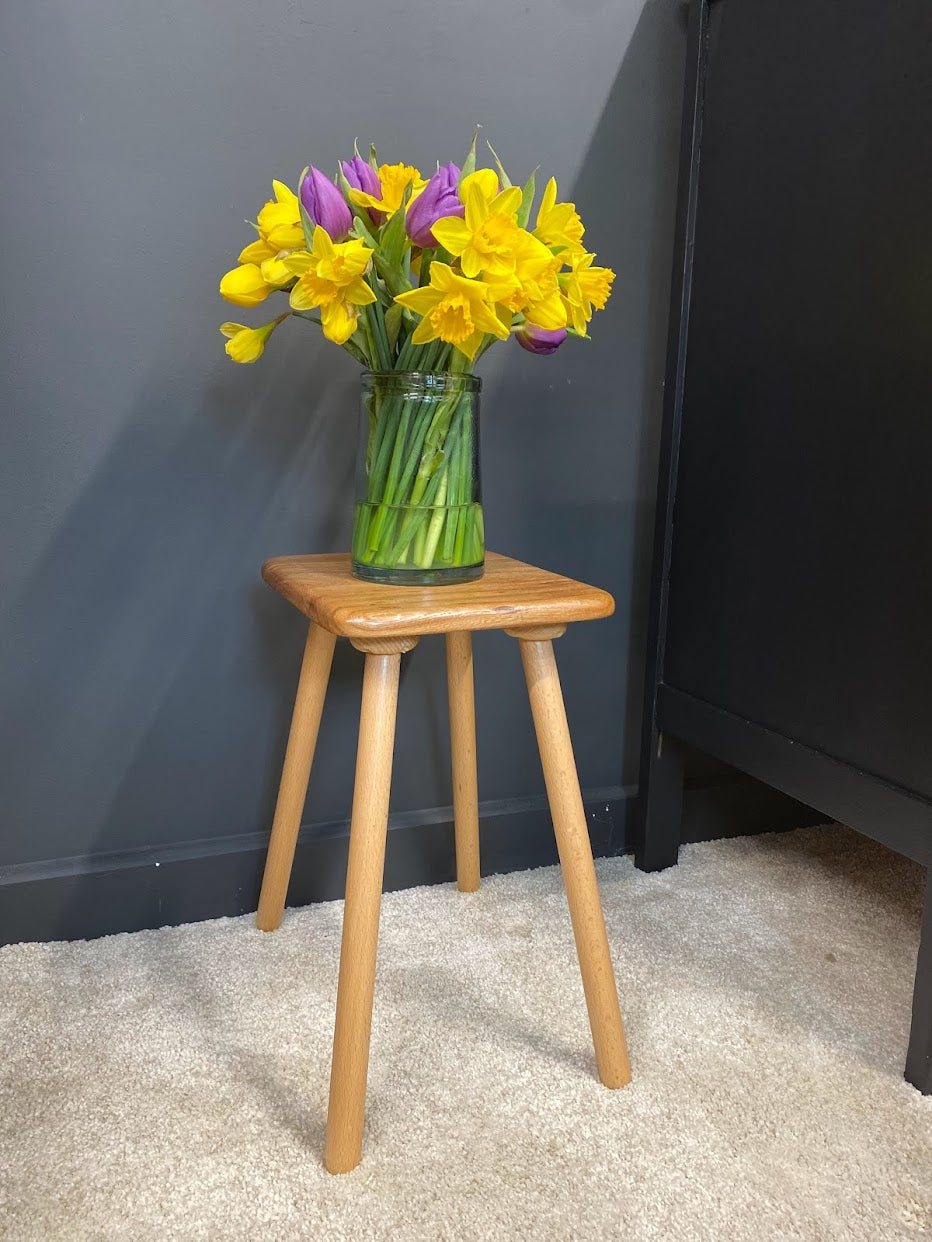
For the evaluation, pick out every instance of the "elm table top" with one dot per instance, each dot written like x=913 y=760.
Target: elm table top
x=509 y=595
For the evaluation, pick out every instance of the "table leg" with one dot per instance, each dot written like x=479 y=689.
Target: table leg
x=299 y=755
x=660 y=798
x=364 y=873
x=569 y=822
x=463 y=748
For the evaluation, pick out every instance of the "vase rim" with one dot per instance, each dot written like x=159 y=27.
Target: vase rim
x=435 y=379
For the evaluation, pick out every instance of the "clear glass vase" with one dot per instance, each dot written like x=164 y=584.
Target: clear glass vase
x=418 y=500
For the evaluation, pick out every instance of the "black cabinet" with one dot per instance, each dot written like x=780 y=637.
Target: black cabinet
x=792 y=613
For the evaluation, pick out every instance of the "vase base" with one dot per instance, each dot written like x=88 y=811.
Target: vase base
x=413 y=576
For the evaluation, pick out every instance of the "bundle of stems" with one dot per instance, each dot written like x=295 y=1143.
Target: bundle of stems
x=421 y=508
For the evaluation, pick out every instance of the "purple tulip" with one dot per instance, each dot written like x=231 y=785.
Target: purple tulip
x=362 y=176
x=540 y=340
x=326 y=206
x=439 y=198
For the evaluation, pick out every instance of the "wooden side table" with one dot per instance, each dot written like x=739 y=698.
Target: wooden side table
x=384 y=621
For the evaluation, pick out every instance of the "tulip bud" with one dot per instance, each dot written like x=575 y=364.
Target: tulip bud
x=326 y=206
x=360 y=175
x=439 y=198
x=540 y=340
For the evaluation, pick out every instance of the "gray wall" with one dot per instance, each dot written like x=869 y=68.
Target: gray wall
x=145 y=672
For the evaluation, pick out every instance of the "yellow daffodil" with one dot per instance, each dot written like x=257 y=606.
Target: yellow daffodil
x=558 y=224
x=585 y=287
x=455 y=309
x=330 y=275
x=280 y=221
x=532 y=289
x=244 y=285
x=394 y=179
x=486 y=239
x=246 y=344
x=261 y=271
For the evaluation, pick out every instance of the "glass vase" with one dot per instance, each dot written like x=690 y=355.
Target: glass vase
x=418 y=501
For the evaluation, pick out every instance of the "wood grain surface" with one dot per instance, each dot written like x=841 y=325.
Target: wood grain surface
x=510 y=594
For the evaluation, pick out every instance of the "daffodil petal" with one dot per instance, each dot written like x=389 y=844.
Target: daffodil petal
x=301 y=298
x=548 y=312
x=299 y=262
x=257 y=252
x=470 y=346
x=276 y=272
x=337 y=323
x=421 y=301
x=424 y=332
x=485 y=318
x=323 y=243
x=483 y=179
x=361 y=199
x=284 y=193
x=548 y=199
x=507 y=202
x=471 y=262
x=359 y=293
x=452 y=233
x=442 y=276
x=244 y=286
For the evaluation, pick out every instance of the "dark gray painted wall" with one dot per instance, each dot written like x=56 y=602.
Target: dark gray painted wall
x=145 y=672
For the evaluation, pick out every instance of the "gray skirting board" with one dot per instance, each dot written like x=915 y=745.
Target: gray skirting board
x=79 y=898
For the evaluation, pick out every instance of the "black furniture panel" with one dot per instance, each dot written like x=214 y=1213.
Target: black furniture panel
x=804 y=529
x=791 y=632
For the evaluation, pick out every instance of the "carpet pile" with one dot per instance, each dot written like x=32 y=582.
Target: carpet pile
x=173 y=1084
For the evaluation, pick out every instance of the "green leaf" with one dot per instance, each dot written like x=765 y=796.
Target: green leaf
x=373 y=158
x=469 y=163
x=308 y=225
x=363 y=230
x=393 y=318
x=394 y=237
x=394 y=277
x=503 y=176
x=527 y=199
x=427 y=258
x=355 y=350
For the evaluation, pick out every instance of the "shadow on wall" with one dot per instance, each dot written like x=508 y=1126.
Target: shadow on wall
x=140 y=596
x=586 y=423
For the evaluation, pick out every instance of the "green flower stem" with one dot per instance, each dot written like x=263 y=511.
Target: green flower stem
x=436 y=525
x=418 y=511
x=455 y=492
x=378 y=342
x=419 y=508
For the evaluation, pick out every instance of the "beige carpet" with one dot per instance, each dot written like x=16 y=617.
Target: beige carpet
x=172 y=1084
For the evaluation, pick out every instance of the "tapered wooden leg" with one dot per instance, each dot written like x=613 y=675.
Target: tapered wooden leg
x=463 y=747
x=299 y=755
x=569 y=822
x=364 y=872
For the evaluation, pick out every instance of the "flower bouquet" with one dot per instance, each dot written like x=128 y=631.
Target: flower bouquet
x=416 y=278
